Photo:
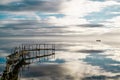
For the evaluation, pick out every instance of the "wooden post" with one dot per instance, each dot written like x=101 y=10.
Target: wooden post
x=39 y=52
x=36 y=50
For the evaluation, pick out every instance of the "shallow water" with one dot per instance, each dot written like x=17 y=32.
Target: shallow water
x=75 y=59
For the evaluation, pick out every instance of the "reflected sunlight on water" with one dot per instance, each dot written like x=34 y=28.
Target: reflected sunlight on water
x=74 y=60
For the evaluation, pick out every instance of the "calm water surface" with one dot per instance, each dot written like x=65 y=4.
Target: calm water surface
x=74 y=60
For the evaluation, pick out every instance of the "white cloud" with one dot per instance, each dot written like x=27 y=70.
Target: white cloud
x=114 y=22
x=25 y=16
x=75 y=10
x=116 y=13
x=81 y=8
x=7 y=1
x=66 y=21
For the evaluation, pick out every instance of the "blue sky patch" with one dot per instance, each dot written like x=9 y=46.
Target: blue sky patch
x=45 y=15
x=106 y=13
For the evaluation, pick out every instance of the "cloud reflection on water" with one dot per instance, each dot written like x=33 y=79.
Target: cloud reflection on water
x=73 y=61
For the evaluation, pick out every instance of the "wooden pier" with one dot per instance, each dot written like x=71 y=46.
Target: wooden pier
x=24 y=55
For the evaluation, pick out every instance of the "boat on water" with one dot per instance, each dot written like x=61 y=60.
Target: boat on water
x=98 y=40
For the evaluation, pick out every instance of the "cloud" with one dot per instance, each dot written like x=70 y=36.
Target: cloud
x=29 y=27
x=84 y=7
x=64 y=6
x=73 y=11
x=31 y=5
x=91 y=25
x=5 y=2
x=67 y=21
x=114 y=22
x=116 y=13
x=46 y=27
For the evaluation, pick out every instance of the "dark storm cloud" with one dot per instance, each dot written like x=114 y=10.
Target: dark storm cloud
x=91 y=25
x=32 y=5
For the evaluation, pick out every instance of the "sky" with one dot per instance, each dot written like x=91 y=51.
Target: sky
x=74 y=25
x=59 y=17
